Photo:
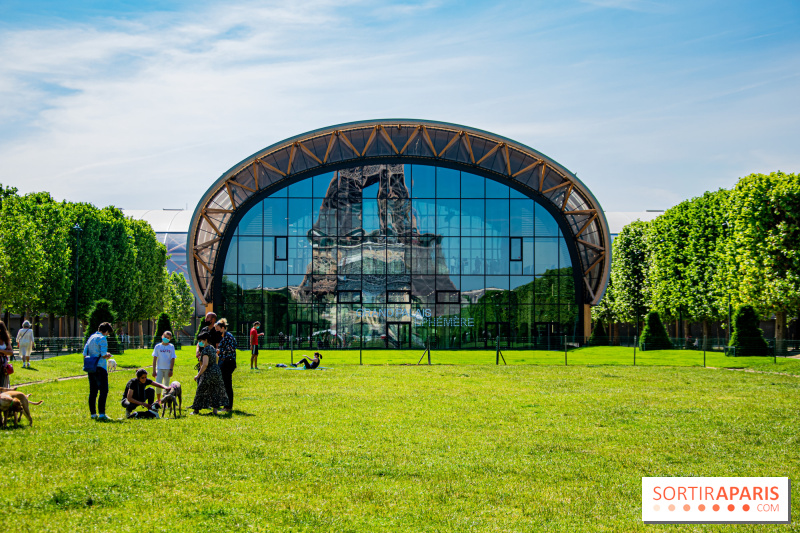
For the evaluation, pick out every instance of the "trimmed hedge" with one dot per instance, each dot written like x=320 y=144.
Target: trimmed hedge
x=102 y=311
x=599 y=336
x=747 y=338
x=654 y=335
x=163 y=324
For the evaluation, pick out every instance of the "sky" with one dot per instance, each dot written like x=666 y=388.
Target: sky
x=144 y=104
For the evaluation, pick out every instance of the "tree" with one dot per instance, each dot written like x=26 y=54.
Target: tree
x=604 y=313
x=180 y=301
x=654 y=335
x=747 y=338
x=22 y=257
x=599 y=336
x=629 y=273
x=761 y=253
x=149 y=271
x=102 y=311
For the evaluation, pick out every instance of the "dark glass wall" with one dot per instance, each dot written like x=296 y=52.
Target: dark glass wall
x=394 y=255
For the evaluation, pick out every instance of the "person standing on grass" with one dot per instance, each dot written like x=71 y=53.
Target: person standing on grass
x=210 y=388
x=254 y=335
x=97 y=346
x=227 y=359
x=164 y=360
x=214 y=336
x=26 y=343
x=6 y=351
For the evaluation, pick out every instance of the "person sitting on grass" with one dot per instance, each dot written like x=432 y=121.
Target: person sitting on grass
x=314 y=363
x=137 y=393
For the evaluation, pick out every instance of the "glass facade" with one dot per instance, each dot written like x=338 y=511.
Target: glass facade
x=397 y=256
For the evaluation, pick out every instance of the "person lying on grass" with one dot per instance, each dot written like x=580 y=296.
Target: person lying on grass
x=138 y=393
x=314 y=363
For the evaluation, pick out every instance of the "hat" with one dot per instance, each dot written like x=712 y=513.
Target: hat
x=26 y=324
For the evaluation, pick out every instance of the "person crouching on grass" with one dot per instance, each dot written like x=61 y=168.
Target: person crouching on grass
x=254 y=335
x=137 y=393
x=164 y=361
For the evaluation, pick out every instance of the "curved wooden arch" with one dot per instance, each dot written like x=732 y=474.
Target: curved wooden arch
x=403 y=141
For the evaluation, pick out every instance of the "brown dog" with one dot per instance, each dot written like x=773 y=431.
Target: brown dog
x=14 y=412
x=172 y=399
x=6 y=405
x=23 y=399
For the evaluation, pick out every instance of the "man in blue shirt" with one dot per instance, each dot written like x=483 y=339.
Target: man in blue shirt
x=97 y=346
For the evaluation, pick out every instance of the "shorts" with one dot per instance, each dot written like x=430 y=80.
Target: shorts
x=254 y=349
x=162 y=376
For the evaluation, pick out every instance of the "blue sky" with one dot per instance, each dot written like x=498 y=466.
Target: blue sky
x=144 y=104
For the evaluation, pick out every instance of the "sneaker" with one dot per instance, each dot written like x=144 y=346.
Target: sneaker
x=294 y=365
x=94 y=416
x=102 y=417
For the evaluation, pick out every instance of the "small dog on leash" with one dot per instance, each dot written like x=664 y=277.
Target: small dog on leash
x=112 y=365
x=172 y=399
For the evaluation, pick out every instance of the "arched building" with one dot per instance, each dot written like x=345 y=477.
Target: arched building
x=394 y=232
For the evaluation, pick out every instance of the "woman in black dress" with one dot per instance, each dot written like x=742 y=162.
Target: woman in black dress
x=210 y=387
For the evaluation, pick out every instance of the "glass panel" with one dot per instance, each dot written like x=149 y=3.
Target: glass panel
x=471 y=286
x=521 y=217
x=232 y=258
x=275 y=216
x=301 y=189
x=300 y=216
x=472 y=256
x=448 y=183
x=447 y=220
x=449 y=262
x=281 y=248
x=472 y=217
x=545 y=224
x=424 y=213
x=269 y=255
x=250 y=255
x=497 y=282
x=324 y=185
x=516 y=249
x=374 y=259
x=563 y=253
x=496 y=190
x=497 y=215
x=424 y=181
x=546 y=255
x=497 y=255
x=372 y=214
x=252 y=222
x=299 y=255
x=472 y=186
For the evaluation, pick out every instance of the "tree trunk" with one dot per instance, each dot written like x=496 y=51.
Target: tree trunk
x=780 y=331
x=706 y=335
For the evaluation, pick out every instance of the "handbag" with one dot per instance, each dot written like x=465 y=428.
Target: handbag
x=9 y=369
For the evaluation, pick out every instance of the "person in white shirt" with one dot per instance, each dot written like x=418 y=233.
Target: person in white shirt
x=164 y=361
x=26 y=343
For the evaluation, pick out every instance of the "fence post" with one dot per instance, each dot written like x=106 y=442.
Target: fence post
x=704 y=351
x=497 y=351
x=635 y=342
x=429 y=351
x=565 y=350
x=361 y=350
x=291 y=348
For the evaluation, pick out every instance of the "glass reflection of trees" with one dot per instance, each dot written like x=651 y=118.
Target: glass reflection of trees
x=394 y=239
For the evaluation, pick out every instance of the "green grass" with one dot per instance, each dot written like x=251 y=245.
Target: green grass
x=401 y=448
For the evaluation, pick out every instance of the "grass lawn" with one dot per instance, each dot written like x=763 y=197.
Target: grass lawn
x=462 y=447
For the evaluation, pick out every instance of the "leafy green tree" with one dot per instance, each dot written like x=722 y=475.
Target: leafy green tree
x=180 y=303
x=747 y=337
x=761 y=252
x=148 y=272
x=654 y=335
x=22 y=259
x=6 y=192
x=629 y=273
x=102 y=311
x=604 y=312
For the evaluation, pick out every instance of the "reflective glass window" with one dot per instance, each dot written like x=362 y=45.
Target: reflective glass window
x=472 y=217
x=546 y=255
x=496 y=190
x=472 y=255
x=275 y=216
x=448 y=183
x=301 y=189
x=447 y=217
x=424 y=181
x=232 y=259
x=252 y=222
x=472 y=186
x=545 y=224
x=250 y=259
x=497 y=218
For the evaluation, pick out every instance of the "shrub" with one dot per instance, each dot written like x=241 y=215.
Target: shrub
x=599 y=336
x=654 y=335
x=102 y=311
x=163 y=324
x=747 y=337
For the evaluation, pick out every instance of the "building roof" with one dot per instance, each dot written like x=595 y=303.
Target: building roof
x=178 y=220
